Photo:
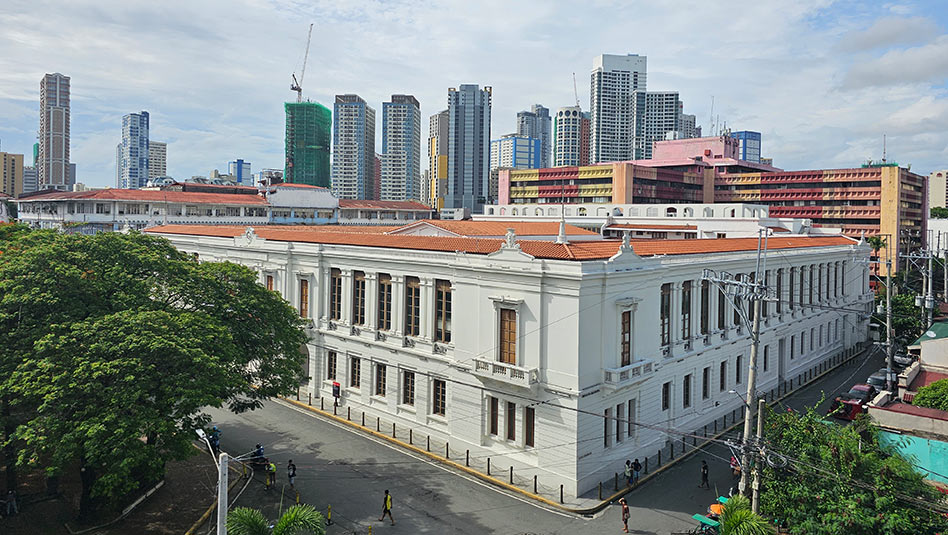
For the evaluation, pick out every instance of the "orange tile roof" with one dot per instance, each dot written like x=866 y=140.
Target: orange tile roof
x=384 y=205
x=499 y=228
x=143 y=195
x=583 y=250
x=652 y=227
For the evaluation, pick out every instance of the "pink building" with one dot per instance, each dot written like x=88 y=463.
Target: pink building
x=709 y=148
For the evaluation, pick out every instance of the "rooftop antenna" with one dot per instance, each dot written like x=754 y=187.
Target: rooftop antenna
x=711 y=119
x=575 y=92
x=883 y=148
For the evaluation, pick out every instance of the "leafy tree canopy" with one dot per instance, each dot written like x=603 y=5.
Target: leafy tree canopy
x=297 y=520
x=939 y=213
x=933 y=396
x=840 y=481
x=111 y=344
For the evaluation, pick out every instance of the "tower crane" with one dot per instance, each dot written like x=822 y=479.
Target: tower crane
x=575 y=92
x=298 y=85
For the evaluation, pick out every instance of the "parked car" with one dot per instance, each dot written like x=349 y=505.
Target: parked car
x=903 y=360
x=847 y=406
x=878 y=379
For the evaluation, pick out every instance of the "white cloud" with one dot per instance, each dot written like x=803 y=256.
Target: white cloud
x=889 y=31
x=927 y=63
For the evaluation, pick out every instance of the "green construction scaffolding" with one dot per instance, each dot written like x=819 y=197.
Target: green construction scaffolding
x=308 y=138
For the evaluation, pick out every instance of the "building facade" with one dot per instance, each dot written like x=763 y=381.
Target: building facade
x=401 y=149
x=30 y=179
x=240 y=169
x=449 y=337
x=516 y=152
x=468 y=147
x=353 y=155
x=748 y=145
x=614 y=106
x=937 y=188
x=53 y=153
x=537 y=124
x=570 y=137
x=439 y=127
x=157 y=159
x=11 y=174
x=133 y=165
x=307 y=143
x=663 y=111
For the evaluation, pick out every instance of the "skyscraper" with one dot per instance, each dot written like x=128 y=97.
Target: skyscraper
x=536 y=124
x=662 y=116
x=133 y=165
x=30 y=179
x=11 y=173
x=614 y=106
x=308 y=135
x=401 y=149
x=157 y=159
x=53 y=165
x=570 y=137
x=515 y=152
x=748 y=145
x=353 y=141
x=439 y=126
x=240 y=169
x=468 y=147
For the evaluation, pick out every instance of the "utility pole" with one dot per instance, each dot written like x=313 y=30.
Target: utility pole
x=755 y=497
x=929 y=296
x=890 y=345
x=222 y=495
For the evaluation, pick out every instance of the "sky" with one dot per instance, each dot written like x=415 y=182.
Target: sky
x=822 y=80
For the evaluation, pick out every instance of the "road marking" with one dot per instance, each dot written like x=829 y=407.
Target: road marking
x=427 y=461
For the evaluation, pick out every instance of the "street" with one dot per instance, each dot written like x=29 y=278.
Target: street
x=350 y=471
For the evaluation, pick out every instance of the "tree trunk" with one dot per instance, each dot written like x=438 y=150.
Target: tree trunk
x=9 y=454
x=87 y=476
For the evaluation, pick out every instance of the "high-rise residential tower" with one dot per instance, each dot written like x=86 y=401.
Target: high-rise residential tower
x=468 y=147
x=30 y=179
x=353 y=148
x=157 y=159
x=570 y=137
x=439 y=126
x=53 y=165
x=536 y=124
x=748 y=145
x=401 y=149
x=308 y=136
x=662 y=116
x=11 y=173
x=240 y=169
x=133 y=165
x=515 y=152
x=614 y=106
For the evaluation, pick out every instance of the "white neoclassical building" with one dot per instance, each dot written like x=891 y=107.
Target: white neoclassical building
x=562 y=359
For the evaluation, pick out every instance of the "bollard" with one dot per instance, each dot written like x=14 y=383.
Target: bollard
x=310 y=402
x=671 y=451
x=410 y=436
x=297 y=497
x=467 y=457
x=334 y=406
x=534 y=483
x=329 y=515
x=321 y=404
x=715 y=426
x=561 y=493
x=705 y=430
x=363 y=418
x=488 y=466
x=694 y=439
x=378 y=423
x=393 y=429
x=348 y=413
x=616 y=483
x=646 y=464
x=600 y=490
x=297 y=393
x=370 y=530
x=447 y=451
x=428 y=447
x=511 y=475
x=659 y=457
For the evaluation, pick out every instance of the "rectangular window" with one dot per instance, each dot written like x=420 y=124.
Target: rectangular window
x=666 y=396
x=722 y=311
x=706 y=383
x=737 y=370
x=803 y=343
x=666 y=314
x=766 y=358
x=606 y=428
x=442 y=311
x=764 y=305
x=620 y=421
x=737 y=311
x=630 y=431
x=842 y=278
x=626 y=338
x=385 y=302
x=331 y=365
x=493 y=413
x=819 y=283
x=686 y=392
x=802 y=273
x=529 y=417
x=408 y=388
x=335 y=294
x=358 y=298
x=508 y=336
x=511 y=417
x=827 y=294
x=380 y=371
x=270 y=282
x=791 y=288
x=793 y=348
x=779 y=291
x=705 y=307
x=810 y=296
x=304 y=298
x=723 y=377
x=751 y=277
x=355 y=372
x=812 y=338
x=686 y=310
x=412 y=306
x=439 y=399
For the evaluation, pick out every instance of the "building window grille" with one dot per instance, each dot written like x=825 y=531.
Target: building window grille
x=493 y=414
x=511 y=418
x=439 y=399
x=508 y=336
x=666 y=396
x=686 y=310
x=705 y=307
x=385 y=302
x=408 y=388
x=331 y=365
x=355 y=372
x=335 y=294
x=442 y=311
x=358 y=298
x=412 y=305
x=380 y=379
x=666 y=314
x=626 y=337
x=686 y=391
x=304 y=298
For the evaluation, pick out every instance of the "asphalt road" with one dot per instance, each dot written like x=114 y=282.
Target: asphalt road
x=349 y=471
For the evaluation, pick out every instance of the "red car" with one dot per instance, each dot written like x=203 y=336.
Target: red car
x=847 y=406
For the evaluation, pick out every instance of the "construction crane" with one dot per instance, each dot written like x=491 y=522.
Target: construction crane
x=298 y=85
x=575 y=92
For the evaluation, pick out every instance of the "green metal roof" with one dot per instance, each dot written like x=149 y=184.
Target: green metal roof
x=936 y=331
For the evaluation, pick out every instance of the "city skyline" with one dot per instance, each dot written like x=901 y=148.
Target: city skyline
x=823 y=81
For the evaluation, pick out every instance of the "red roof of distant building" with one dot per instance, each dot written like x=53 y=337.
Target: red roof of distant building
x=183 y=197
x=499 y=228
x=582 y=250
x=383 y=205
x=905 y=408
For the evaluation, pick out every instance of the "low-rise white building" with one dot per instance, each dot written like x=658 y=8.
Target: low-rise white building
x=563 y=360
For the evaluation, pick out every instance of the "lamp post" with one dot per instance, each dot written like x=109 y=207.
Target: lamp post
x=221 y=484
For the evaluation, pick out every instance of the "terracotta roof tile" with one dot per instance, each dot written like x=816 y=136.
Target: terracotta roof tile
x=384 y=205
x=183 y=197
x=582 y=250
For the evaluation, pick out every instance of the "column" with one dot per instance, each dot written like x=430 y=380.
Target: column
x=346 y=305
x=371 y=300
x=398 y=300
x=323 y=305
x=427 y=308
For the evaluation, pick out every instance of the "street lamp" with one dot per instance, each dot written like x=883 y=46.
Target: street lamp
x=221 y=484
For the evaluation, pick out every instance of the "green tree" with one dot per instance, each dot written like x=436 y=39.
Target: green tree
x=906 y=318
x=933 y=396
x=839 y=480
x=111 y=344
x=297 y=520
x=939 y=213
x=738 y=519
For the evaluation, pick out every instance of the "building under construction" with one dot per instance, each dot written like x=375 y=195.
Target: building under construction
x=308 y=135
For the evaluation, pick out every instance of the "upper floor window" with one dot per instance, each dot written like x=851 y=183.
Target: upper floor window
x=790 y=288
x=385 y=302
x=819 y=283
x=439 y=397
x=508 y=336
x=626 y=351
x=779 y=291
x=686 y=310
x=705 y=307
x=666 y=313
x=335 y=294
x=358 y=298
x=666 y=396
x=331 y=365
x=442 y=311
x=304 y=298
x=270 y=282
x=412 y=306
x=686 y=391
x=722 y=311
x=355 y=372
x=408 y=388
x=810 y=296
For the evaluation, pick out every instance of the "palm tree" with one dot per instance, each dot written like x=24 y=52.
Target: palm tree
x=738 y=519
x=297 y=520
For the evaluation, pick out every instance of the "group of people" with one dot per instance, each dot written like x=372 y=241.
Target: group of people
x=632 y=470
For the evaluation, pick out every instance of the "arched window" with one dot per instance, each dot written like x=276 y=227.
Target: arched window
x=671 y=211
x=617 y=211
x=582 y=211
x=503 y=211
x=538 y=211
x=688 y=212
x=514 y=212
x=490 y=211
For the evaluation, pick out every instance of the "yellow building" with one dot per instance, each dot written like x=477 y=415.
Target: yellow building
x=11 y=173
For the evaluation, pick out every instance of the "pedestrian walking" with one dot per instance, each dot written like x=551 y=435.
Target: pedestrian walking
x=704 y=476
x=215 y=440
x=735 y=467
x=271 y=473
x=12 y=507
x=628 y=473
x=636 y=468
x=387 y=507
x=291 y=473
x=625 y=515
